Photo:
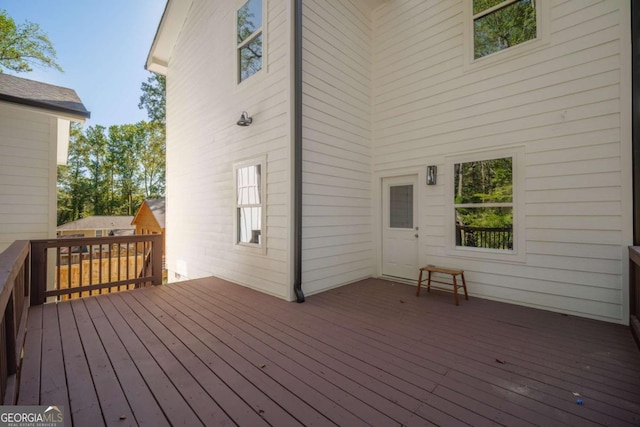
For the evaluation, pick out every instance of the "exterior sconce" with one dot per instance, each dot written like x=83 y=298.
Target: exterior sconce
x=432 y=172
x=245 y=120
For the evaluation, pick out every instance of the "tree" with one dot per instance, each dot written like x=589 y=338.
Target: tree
x=74 y=196
x=111 y=171
x=98 y=170
x=153 y=98
x=23 y=46
x=152 y=157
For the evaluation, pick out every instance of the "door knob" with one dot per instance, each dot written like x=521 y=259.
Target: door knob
x=416 y=236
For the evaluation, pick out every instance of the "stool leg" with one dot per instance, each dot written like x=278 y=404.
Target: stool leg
x=455 y=289
x=464 y=286
x=429 y=282
x=419 y=282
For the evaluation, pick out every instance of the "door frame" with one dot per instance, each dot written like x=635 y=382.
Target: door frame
x=378 y=188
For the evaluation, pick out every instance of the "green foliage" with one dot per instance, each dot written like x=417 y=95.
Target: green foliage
x=153 y=98
x=111 y=171
x=483 y=182
x=74 y=192
x=503 y=28
x=485 y=217
x=23 y=46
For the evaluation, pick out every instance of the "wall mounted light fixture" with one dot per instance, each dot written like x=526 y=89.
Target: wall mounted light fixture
x=245 y=120
x=432 y=173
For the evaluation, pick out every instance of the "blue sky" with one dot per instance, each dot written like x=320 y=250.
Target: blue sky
x=102 y=46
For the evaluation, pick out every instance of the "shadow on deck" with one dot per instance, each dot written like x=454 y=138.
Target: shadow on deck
x=370 y=353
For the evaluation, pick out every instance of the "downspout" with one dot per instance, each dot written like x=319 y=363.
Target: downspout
x=635 y=64
x=297 y=151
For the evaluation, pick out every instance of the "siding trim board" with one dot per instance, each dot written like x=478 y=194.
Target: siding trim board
x=635 y=40
x=297 y=179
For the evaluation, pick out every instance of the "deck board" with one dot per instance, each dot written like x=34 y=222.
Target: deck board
x=209 y=333
x=366 y=357
x=479 y=362
x=248 y=392
x=362 y=354
x=53 y=382
x=174 y=406
x=83 y=399
x=146 y=411
x=113 y=402
x=31 y=362
x=304 y=365
x=208 y=352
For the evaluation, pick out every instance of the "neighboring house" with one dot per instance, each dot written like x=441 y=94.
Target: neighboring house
x=150 y=220
x=364 y=113
x=150 y=217
x=34 y=138
x=98 y=226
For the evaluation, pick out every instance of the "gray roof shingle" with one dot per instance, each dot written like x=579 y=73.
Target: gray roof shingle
x=42 y=95
x=98 y=222
x=157 y=207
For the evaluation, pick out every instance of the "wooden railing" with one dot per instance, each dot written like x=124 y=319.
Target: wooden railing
x=14 y=304
x=634 y=291
x=484 y=237
x=101 y=265
x=23 y=282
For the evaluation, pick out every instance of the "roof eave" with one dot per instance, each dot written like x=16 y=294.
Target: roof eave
x=173 y=18
x=69 y=113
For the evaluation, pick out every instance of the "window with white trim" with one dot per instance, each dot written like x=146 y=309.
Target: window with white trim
x=501 y=24
x=483 y=204
x=249 y=218
x=249 y=39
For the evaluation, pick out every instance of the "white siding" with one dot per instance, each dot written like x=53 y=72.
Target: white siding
x=565 y=103
x=27 y=174
x=337 y=236
x=203 y=142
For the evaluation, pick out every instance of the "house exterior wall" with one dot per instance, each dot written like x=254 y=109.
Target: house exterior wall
x=563 y=104
x=203 y=143
x=337 y=245
x=28 y=147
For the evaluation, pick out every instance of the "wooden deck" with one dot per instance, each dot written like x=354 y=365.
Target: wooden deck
x=207 y=352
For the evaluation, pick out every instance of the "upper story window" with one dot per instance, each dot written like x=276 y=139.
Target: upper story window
x=484 y=204
x=501 y=24
x=249 y=39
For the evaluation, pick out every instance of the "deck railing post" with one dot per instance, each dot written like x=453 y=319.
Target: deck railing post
x=156 y=261
x=634 y=292
x=10 y=336
x=38 y=272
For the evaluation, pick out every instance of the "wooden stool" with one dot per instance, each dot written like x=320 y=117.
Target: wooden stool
x=444 y=270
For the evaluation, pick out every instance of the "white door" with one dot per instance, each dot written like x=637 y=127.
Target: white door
x=400 y=227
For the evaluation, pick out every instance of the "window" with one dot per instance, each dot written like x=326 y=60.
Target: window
x=249 y=42
x=401 y=206
x=500 y=24
x=249 y=204
x=484 y=204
